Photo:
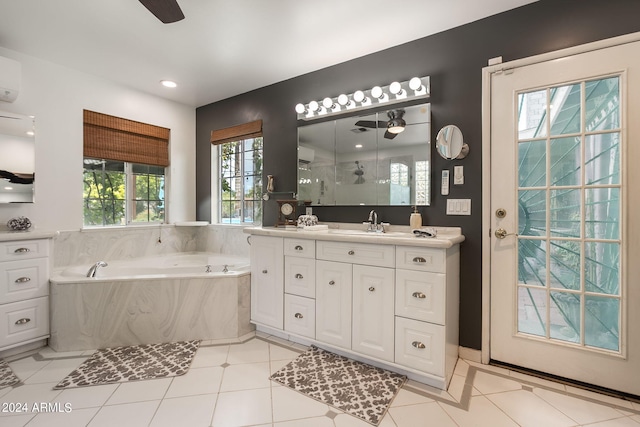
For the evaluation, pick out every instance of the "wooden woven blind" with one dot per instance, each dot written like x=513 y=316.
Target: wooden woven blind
x=236 y=133
x=114 y=138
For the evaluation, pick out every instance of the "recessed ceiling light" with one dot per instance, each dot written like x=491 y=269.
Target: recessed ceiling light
x=358 y=145
x=168 y=83
x=8 y=188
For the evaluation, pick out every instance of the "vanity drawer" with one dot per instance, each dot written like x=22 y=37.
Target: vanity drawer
x=356 y=253
x=420 y=345
x=24 y=321
x=24 y=279
x=421 y=259
x=300 y=276
x=25 y=249
x=300 y=248
x=300 y=315
x=420 y=295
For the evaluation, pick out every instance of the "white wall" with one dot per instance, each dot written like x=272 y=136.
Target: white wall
x=56 y=96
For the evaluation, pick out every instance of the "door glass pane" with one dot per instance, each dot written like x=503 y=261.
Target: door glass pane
x=602 y=213
x=565 y=213
x=532 y=163
x=602 y=320
x=565 y=317
x=566 y=161
x=602 y=100
x=602 y=159
x=565 y=264
x=532 y=112
x=532 y=213
x=565 y=109
x=532 y=311
x=601 y=267
x=532 y=262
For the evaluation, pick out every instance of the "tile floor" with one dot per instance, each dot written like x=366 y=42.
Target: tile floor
x=228 y=385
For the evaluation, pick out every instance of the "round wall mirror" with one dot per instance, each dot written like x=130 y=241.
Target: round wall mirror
x=450 y=143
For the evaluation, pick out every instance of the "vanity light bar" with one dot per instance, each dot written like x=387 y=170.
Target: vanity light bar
x=395 y=92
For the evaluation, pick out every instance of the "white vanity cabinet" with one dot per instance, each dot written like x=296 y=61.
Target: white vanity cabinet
x=334 y=287
x=267 y=284
x=300 y=287
x=24 y=292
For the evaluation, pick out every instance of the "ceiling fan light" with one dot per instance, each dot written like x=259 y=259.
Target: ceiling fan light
x=396 y=125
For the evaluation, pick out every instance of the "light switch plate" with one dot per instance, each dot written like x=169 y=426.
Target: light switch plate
x=458 y=206
x=458 y=175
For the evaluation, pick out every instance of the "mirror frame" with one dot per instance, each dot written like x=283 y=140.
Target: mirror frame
x=450 y=143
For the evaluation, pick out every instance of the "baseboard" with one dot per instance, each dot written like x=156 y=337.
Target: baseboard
x=470 y=354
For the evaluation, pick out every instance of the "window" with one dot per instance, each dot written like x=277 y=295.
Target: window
x=240 y=189
x=120 y=193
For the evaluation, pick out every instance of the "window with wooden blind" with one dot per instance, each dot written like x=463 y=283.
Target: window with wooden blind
x=124 y=171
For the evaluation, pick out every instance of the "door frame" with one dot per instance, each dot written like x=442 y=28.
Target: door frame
x=487 y=73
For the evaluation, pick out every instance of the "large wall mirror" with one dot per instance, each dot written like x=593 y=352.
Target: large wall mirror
x=17 y=158
x=380 y=159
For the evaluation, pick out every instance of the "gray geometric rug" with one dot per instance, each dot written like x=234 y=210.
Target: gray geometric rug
x=356 y=388
x=133 y=363
x=7 y=377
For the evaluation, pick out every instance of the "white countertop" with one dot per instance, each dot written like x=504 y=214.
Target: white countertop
x=8 y=235
x=342 y=232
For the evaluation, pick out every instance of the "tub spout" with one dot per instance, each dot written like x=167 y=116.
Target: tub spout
x=225 y=269
x=94 y=268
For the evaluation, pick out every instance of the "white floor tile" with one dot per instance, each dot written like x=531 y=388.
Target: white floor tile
x=140 y=391
x=277 y=352
x=422 y=415
x=16 y=420
x=30 y=394
x=480 y=413
x=276 y=365
x=86 y=397
x=291 y=405
x=308 y=422
x=619 y=422
x=346 y=420
x=530 y=379
x=487 y=383
x=250 y=352
x=56 y=371
x=25 y=368
x=192 y=411
x=246 y=376
x=407 y=397
x=126 y=415
x=462 y=368
x=582 y=411
x=608 y=400
x=528 y=410
x=196 y=381
x=75 y=418
x=210 y=356
x=243 y=408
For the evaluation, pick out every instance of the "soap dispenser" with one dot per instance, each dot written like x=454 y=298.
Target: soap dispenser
x=415 y=221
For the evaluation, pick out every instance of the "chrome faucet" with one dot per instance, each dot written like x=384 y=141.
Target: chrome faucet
x=373 y=226
x=373 y=219
x=94 y=268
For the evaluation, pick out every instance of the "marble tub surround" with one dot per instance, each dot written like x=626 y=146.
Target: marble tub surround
x=103 y=314
x=224 y=239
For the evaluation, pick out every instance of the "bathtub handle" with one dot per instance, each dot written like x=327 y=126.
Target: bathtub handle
x=23 y=279
x=299 y=276
x=21 y=250
x=23 y=321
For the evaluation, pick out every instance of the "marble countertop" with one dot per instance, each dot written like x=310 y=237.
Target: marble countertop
x=7 y=235
x=343 y=232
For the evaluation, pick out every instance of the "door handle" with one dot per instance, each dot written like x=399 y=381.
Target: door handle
x=501 y=233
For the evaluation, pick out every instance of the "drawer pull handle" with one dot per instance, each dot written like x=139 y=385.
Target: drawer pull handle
x=419 y=259
x=264 y=271
x=298 y=316
x=23 y=321
x=299 y=248
x=351 y=252
x=371 y=289
x=21 y=250
x=332 y=282
x=419 y=295
x=299 y=276
x=23 y=279
x=418 y=344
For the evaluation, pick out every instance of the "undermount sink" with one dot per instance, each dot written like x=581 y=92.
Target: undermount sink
x=369 y=233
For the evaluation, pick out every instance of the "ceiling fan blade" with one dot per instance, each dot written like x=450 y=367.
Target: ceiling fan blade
x=371 y=124
x=9 y=117
x=167 y=11
x=390 y=135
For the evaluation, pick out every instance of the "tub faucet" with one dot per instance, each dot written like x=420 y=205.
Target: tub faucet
x=226 y=268
x=94 y=268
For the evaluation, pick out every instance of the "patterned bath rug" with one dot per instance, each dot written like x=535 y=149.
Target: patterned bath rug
x=133 y=363
x=7 y=377
x=356 y=388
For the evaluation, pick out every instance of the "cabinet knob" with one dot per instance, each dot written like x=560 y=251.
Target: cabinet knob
x=419 y=295
x=298 y=316
x=418 y=344
x=299 y=248
x=351 y=252
x=299 y=276
x=371 y=289
x=21 y=250
x=23 y=279
x=264 y=271
x=23 y=321
x=332 y=282
x=419 y=259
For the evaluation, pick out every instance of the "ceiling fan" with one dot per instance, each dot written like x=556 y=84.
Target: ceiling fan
x=167 y=11
x=394 y=126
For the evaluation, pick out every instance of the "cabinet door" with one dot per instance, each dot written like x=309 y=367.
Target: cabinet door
x=267 y=284
x=333 y=303
x=373 y=322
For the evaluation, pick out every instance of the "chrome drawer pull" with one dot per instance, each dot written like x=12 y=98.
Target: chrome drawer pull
x=419 y=259
x=23 y=279
x=333 y=282
x=298 y=316
x=23 y=321
x=418 y=344
x=299 y=276
x=21 y=250
x=264 y=271
x=371 y=289
x=351 y=253
x=299 y=248
x=418 y=295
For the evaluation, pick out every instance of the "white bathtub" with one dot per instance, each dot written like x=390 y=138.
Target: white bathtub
x=149 y=300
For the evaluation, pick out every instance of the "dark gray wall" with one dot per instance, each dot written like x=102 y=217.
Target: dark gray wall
x=454 y=60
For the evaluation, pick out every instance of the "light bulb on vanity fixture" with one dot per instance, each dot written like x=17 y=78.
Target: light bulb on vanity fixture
x=396 y=89
x=379 y=94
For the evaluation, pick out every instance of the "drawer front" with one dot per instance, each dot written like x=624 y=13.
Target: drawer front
x=420 y=345
x=421 y=259
x=300 y=276
x=356 y=253
x=420 y=295
x=300 y=315
x=24 y=321
x=24 y=279
x=25 y=249
x=300 y=248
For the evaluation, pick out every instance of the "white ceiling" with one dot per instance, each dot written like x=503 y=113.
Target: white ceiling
x=223 y=47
